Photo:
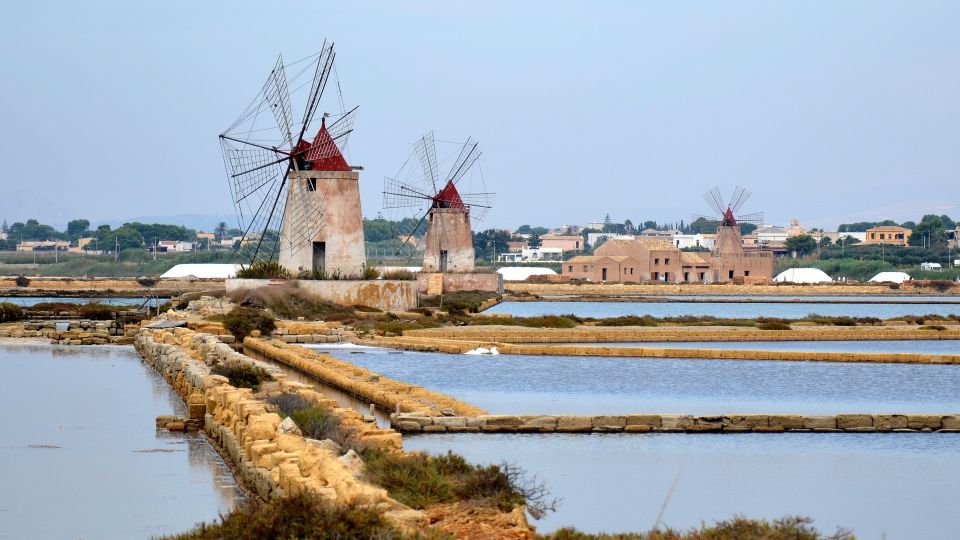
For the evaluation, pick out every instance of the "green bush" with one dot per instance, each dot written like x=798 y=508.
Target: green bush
x=317 y=423
x=937 y=327
x=773 y=325
x=738 y=528
x=10 y=312
x=629 y=320
x=264 y=270
x=419 y=480
x=298 y=516
x=289 y=302
x=241 y=321
x=403 y=275
x=241 y=376
x=458 y=302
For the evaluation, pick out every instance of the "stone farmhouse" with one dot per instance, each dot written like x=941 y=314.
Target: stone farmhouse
x=644 y=259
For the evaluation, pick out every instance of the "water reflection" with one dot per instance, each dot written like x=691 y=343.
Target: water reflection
x=113 y=475
x=514 y=384
x=900 y=486
x=721 y=309
x=27 y=301
x=933 y=346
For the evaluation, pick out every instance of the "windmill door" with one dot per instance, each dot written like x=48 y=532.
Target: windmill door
x=443 y=260
x=319 y=256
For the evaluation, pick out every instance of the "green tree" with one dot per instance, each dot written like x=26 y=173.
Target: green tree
x=931 y=232
x=649 y=224
x=825 y=241
x=221 y=231
x=485 y=242
x=34 y=231
x=523 y=229
x=801 y=244
x=4 y=228
x=534 y=240
x=76 y=228
x=747 y=228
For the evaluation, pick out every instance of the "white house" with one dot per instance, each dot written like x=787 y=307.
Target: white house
x=770 y=234
x=693 y=241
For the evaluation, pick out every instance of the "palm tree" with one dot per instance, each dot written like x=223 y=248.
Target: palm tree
x=220 y=231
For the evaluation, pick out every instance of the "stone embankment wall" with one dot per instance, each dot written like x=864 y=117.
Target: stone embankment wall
x=616 y=289
x=463 y=282
x=451 y=346
x=678 y=423
x=50 y=286
x=287 y=331
x=384 y=294
x=269 y=460
x=77 y=332
x=639 y=334
x=384 y=392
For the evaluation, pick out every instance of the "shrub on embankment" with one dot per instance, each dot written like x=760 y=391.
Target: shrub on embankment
x=241 y=321
x=420 y=480
x=314 y=422
x=297 y=516
x=458 y=302
x=242 y=376
x=738 y=528
x=289 y=302
x=10 y=312
x=94 y=311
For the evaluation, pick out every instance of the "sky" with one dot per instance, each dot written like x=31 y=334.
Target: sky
x=829 y=112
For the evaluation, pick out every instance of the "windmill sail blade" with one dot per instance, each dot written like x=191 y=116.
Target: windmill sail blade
x=321 y=75
x=755 y=218
x=715 y=200
x=277 y=96
x=468 y=156
x=249 y=169
x=426 y=151
x=397 y=194
x=478 y=204
x=740 y=196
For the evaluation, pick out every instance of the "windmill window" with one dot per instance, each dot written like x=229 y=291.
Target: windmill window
x=311 y=184
x=746 y=273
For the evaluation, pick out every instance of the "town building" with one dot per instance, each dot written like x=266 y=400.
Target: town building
x=644 y=259
x=44 y=245
x=171 y=246
x=890 y=235
x=564 y=242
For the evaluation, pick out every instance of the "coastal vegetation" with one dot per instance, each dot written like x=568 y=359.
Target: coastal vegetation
x=242 y=376
x=241 y=321
x=10 y=312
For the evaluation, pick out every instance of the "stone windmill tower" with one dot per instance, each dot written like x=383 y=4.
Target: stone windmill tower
x=297 y=198
x=438 y=202
x=728 y=242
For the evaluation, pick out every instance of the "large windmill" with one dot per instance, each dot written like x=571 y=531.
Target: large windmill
x=296 y=196
x=441 y=202
x=728 y=220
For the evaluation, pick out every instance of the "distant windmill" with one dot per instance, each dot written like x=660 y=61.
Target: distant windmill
x=728 y=220
x=439 y=201
x=295 y=194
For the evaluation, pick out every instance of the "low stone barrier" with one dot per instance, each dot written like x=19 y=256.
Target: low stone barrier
x=384 y=392
x=384 y=294
x=679 y=423
x=653 y=289
x=286 y=331
x=270 y=461
x=74 y=332
x=629 y=334
x=452 y=346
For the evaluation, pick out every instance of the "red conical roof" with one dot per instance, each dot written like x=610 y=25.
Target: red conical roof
x=322 y=154
x=449 y=197
x=728 y=220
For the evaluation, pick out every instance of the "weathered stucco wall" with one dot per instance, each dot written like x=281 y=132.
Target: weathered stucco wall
x=468 y=281
x=448 y=229
x=384 y=294
x=618 y=289
x=339 y=226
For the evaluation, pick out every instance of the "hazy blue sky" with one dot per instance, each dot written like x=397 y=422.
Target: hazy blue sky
x=829 y=112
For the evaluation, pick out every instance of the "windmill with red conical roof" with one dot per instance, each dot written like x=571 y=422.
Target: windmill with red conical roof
x=728 y=226
x=438 y=202
x=297 y=198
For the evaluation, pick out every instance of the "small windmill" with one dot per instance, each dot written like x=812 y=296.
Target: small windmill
x=440 y=202
x=728 y=220
x=281 y=175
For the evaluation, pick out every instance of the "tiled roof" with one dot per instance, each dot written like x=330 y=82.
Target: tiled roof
x=687 y=257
